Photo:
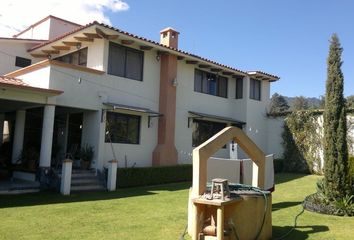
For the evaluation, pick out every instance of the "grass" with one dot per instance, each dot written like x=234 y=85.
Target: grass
x=158 y=212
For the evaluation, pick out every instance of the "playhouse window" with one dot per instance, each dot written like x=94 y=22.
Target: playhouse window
x=125 y=62
x=203 y=130
x=210 y=83
x=122 y=128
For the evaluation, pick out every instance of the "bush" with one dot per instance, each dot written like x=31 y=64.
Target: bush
x=278 y=165
x=351 y=166
x=132 y=177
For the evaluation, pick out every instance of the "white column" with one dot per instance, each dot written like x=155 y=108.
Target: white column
x=65 y=184
x=112 y=175
x=19 y=134
x=2 y=119
x=47 y=136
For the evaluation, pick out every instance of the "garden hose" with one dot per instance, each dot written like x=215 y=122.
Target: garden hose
x=295 y=224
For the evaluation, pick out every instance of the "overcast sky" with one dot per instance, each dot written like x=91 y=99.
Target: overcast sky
x=289 y=38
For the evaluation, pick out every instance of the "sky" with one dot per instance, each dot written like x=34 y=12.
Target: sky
x=286 y=38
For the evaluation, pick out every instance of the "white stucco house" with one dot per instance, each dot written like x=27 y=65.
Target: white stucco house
x=142 y=102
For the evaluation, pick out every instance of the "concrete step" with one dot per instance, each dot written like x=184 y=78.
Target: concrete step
x=18 y=191
x=97 y=187
x=84 y=181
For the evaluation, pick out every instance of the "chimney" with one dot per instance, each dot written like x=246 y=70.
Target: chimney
x=169 y=37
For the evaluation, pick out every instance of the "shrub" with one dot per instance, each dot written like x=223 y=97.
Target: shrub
x=278 y=165
x=132 y=177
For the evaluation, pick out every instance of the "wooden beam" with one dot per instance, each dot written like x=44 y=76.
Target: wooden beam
x=61 y=47
x=144 y=47
x=106 y=36
x=191 y=62
x=237 y=76
x=51 y=51
x=75 y=44
x=92 y=35
x=127 y=42
x=215 y=69
x=180 y=57
x=227 y=73
x=84 y=39
x=204 y=66
x=38 y=55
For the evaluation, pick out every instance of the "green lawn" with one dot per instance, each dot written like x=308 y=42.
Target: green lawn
x=158 y=212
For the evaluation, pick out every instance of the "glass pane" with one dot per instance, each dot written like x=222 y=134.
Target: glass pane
x=239 y=88
x=134 y=66
x=133 y=130
x=83 y=57
x=116 y=60
x=211 y=84
x=198 y=78
x=222 y=88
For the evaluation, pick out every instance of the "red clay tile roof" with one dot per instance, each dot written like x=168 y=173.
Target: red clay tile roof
x=18 y=83
x=145 y=40
x=12 y=81
x=262 y=73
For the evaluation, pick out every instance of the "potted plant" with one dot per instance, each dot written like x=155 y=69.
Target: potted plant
x=86 y=155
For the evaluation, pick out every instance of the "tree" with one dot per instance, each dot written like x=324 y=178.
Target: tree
x=336 y=179
x=350 y=102
x=278 y=104
x=300 y=103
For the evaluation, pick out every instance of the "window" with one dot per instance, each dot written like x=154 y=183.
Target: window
x=77 y=58
x=203 y=130
x=122 y=128
x=22 y=62
x=255 y=89
x=210 y=83
x=239 y=88
x=125 y=62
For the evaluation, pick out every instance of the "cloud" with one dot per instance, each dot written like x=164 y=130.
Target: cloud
x=16 y=15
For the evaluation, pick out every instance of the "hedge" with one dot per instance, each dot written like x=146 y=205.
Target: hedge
x=144 y=176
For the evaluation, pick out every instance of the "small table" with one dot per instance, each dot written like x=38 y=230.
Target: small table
x=219 y=204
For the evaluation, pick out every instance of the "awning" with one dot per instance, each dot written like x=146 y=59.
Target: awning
x=149 y=112
x=198 y=115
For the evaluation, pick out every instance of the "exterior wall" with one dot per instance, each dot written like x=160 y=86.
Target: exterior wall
x=93 y=91
x=58 y=27
x=274 y=136
x=40 y=31
x=189 y=100
x=256 y=127
x=87 y=91
x=13 y=48
x=50 y=28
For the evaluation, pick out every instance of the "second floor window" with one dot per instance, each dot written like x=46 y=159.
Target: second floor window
x=255 y=89
x=125 y=62
x=239 y=88
x=210 y=83
x=77 y=58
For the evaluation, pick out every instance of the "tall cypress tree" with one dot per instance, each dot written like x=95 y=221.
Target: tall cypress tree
x=337 y=179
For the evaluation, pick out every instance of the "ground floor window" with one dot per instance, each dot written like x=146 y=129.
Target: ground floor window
x=203 y=130
x=122 y=128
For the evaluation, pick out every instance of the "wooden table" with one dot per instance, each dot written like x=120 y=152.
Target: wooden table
x=219 y=204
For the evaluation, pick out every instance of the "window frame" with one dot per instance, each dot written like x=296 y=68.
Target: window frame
x=238 y=91
x=22 y=62
x=70 y=57
x=196 y=141
x=255 y=85
x=205 y=86
x=126 y=49
x=127 y=118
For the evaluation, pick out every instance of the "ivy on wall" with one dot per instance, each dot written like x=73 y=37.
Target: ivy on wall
x=302 y=142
